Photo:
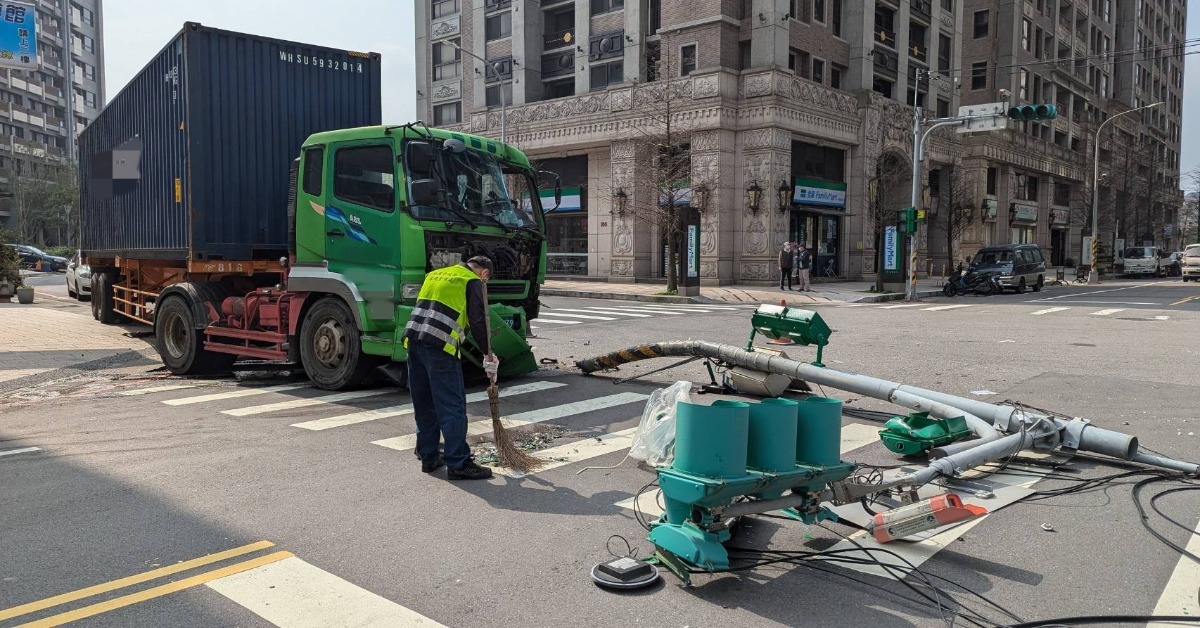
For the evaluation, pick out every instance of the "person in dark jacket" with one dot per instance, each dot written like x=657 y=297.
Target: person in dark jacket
x=451 y=303
x=785 y=265
x=804 y=263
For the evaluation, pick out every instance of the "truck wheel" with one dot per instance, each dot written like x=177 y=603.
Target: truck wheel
x=181 y=345
x=331 y=347
x=102 y=299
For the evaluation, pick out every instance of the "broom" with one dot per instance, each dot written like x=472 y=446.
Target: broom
x=507 y=451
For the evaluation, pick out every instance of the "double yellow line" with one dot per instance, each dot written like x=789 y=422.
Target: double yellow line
x=147 y=594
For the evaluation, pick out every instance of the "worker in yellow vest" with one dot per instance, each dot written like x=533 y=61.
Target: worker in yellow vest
x=451 y=303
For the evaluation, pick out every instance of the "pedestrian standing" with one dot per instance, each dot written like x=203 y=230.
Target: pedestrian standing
x=796 y=262
x=785 y=265
x=451 y=303
x=804 y=263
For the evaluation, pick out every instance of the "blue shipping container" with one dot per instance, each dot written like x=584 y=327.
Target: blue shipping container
x=191 y=160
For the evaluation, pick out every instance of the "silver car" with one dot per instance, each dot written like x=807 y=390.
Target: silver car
x=79 y=278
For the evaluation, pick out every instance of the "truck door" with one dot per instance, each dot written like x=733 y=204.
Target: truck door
x=362 y=224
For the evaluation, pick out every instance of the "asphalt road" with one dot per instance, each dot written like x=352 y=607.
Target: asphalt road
x=135 y=471
x=1171 y=294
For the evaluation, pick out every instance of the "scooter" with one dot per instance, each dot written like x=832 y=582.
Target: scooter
x=985 y=283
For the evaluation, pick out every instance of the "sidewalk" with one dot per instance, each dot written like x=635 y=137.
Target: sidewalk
x=35 y=340
x=841 y=291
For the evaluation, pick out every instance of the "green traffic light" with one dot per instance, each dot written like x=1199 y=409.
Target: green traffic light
x=1025 y=113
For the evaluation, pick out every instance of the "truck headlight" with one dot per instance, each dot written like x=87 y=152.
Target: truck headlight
x=410 y=290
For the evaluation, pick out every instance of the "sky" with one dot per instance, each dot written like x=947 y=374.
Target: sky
x=135 y=30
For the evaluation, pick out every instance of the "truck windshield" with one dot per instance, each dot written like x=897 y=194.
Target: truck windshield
x=475 y=188
x=1137 y=252
x=1192 y=251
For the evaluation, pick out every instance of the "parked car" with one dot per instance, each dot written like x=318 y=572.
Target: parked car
x=1020 y=265
x=79 y=278
x=1146 y=260
x=1190 y=269
x=1175 y=264
x=30 y=256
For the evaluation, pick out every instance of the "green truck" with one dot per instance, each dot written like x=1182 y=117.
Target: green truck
x=192 y=220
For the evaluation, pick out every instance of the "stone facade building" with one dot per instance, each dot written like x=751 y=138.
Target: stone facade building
x=796 y=116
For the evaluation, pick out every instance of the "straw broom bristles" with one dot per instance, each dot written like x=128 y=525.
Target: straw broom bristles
x=507 y=451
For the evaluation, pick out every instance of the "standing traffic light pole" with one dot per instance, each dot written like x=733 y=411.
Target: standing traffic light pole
x=1022 y=113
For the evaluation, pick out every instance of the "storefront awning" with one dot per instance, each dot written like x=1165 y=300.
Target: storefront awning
x=824 y=211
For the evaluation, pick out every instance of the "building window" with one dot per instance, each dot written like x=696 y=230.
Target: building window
x=991 y=181
x=498 y=26
x=449 y=113
x=1023 y=86
x=1027 y=35
x=836 y=72
x=442 y=8
x=558 y=89
x=605 y=74
x=446 y=60
x=883 y=86
x=981 y=24
x=1062 y=194
x=818 y=70
x=948 y=5
x=88 y=44
x=979 y=75
x=365 y=175
x=885 y=25
x=655 y=21
x=559 y=24
x=943 y=108
x=818 y=11
x=496 y=92
x=835 y=21
x=944 y=52
x=604 y=6
x=687 y=59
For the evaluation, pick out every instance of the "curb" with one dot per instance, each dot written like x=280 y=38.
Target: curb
x=620 y=296
x=895 y=296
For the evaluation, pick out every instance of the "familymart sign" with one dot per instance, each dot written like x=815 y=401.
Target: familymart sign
x=817 y=192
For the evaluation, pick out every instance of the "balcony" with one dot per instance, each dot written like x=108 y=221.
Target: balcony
x=885 y=37
x=885 y=60
x=560 y=63
x=919 y=52
x=558 y=39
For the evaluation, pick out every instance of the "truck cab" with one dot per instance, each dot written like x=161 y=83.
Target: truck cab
x=1145 y=260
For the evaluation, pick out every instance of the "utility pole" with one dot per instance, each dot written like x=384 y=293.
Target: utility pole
x=1094 y=275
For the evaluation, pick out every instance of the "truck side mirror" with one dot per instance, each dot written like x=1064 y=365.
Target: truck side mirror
x=427 y=192
x=419 y=156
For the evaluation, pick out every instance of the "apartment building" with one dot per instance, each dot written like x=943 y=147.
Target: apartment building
x=789 y=107
x=43 y=111
x=1092 y=59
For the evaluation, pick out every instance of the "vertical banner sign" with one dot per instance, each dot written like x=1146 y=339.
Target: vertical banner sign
x=693 y=251
x=18 y=36
x=891 y=257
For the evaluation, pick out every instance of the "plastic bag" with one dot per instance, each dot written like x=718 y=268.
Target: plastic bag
x=654 y=441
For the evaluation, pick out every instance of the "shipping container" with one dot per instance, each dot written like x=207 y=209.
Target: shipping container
x=191 y=160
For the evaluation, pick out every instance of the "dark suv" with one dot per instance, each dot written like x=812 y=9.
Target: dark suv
x=1020 y=265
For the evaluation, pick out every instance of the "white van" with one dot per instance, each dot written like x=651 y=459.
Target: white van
x=1189 y=266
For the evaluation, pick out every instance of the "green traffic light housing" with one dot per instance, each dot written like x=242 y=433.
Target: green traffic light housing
x=1025 y=113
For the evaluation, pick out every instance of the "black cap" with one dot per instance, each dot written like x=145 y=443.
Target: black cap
x=483 y=262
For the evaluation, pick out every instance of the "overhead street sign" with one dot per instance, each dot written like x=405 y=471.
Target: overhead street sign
x=986 y=117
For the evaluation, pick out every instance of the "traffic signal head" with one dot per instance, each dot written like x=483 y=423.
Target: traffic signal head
x=1025 y=113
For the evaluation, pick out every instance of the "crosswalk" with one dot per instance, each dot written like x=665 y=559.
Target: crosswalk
x=596 y=420
x=560 y=317
x=959 y=307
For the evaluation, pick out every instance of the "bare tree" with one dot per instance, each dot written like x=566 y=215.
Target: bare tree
x=889 y=186
x=665 y=139
x=955 y=211
x=1189 y=220
x=46 y=200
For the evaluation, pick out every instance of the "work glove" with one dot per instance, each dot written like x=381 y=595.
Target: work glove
x=491 y=366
